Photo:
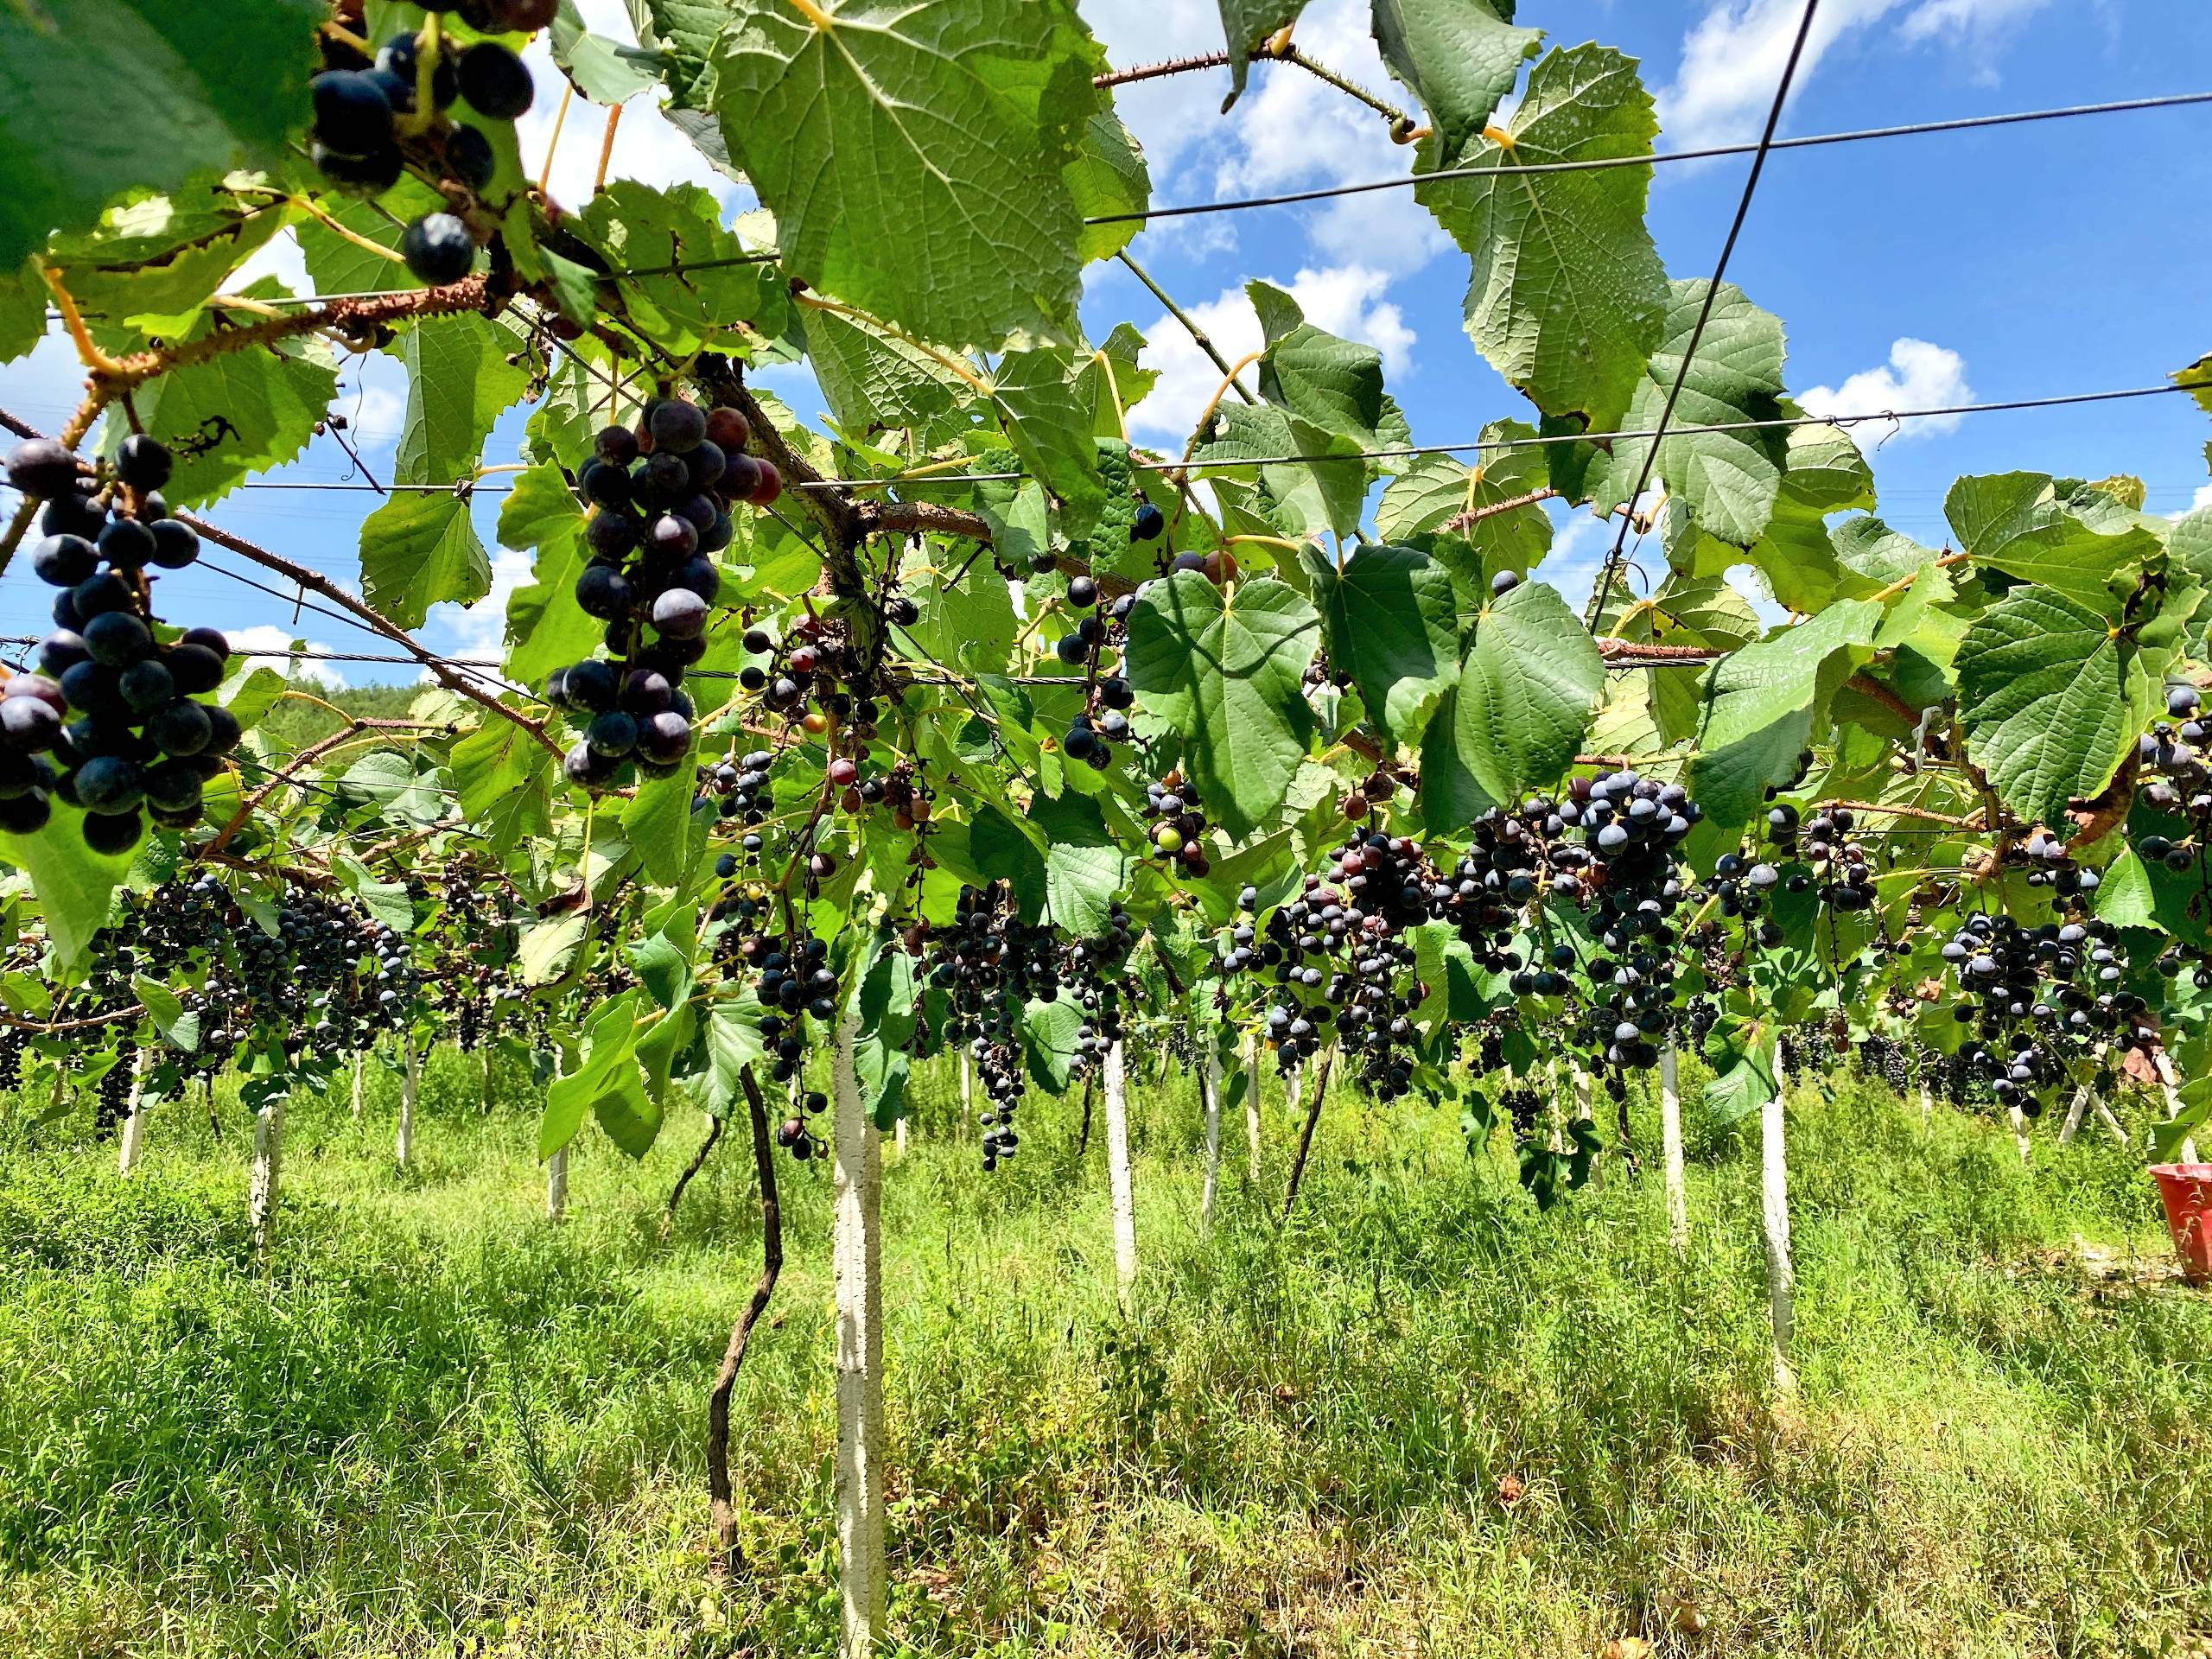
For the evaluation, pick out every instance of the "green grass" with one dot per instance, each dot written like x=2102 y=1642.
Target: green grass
x=438 y=1425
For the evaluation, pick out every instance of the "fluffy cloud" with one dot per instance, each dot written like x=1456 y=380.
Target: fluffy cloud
x=1579 y=543
x=647 y=146
x=1917 y=376
x=272 y=646
x=1734 y=56
x=1345 y=300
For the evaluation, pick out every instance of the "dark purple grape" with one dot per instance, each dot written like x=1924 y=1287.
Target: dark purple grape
x=495 y=82
x=679 y=614
x=64 y=560
x=438 y=249
x=176 y=544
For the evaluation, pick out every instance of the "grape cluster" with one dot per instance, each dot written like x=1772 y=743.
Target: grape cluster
x=1103 y=720
x=368 y=125
x=1884 y=1058
x=990 y=965
x=2032 y=994
x=2183 y=780
x=141 y=738
x=112 y=1094
x=12 y=1042
x=811 y=677
x=661 y=495
x=746 y=798
x=1177 y=826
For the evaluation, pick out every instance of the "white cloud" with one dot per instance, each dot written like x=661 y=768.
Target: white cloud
x=1734 y=56
x=648 y=147
x=1917 y=376
x=1345 y=300
x=266 y=638
x=2202 y=499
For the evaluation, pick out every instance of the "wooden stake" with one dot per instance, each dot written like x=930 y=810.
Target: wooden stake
x=858 y=1270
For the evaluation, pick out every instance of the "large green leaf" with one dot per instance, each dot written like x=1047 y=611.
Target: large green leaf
x=873 y=381
x=1391 y=622
x=501 y=777
x=1527 y=691
x=1761 y=706
x=1459 y=57
x=640 y=228
x=1727 y=479
x=2050 y=700
x=1228 y=673
x=233 y=415
x=915 y=154
x=73 y=883
x=1051 y=429
x=419 y=551
x=1108 y=176
x=1330 y=383
x=459 y=383
x=1084 y=866
x=154 y=256
x=1325 y=489
x=1567 y=297
x=608 y=1072
x=2017 y=523
x=605 y=71
x=968 y=624
x=98 y=96
x=1460 y=515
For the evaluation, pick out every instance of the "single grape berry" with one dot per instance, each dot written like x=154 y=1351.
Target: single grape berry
x=64 y=560
x=1149 y=524
x=42 y=467
x=677 y=428
x=1504 y=583
x=353 y=117
x=1083 y=593
x=470 y=157
x=176 y=544
x=438 y=249
x=2182 y=701
x=494 y=81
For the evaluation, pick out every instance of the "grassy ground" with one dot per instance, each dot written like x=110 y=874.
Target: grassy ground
x=1425 y=1419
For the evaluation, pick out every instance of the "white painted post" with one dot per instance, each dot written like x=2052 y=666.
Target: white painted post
x=268 y=1169
x=360 y=1069
x=859 y=1272
x=410 y=1084
x=2075 y=1113
x=2170 y=1085
x=556 y=1186
x=1582 y=1115
x=899 y=1137
x=1781 y=1276
x=1926 y=1107
x=132 y=1141
x=1671 y=1145
x=1117 y=1172
x=2019 y=1121
x=1210 y=1090
x=1252 y=1103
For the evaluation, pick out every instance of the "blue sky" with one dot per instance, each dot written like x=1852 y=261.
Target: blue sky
x=2065 y=257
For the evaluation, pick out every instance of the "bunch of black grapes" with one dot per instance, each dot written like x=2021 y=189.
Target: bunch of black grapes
x=369 y=125
x=2035 y=996
x=744 y=794
x=140 y=739
x=1177 y=826
x=2181 y=780
x=989 y=964
x=662 y=495
x=1103 y=720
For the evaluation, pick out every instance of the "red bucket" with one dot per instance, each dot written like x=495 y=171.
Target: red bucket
x=2186 y=1191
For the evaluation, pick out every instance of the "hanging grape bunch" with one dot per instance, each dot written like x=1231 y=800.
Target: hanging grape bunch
x=141 y=738
x=2045 y=857
x=376 y=118
x=989 y=964
x=1885 y=1057
x=2031 y=996
x=2182 y=780
x=746 y=798
x=808 y=677
x=1177 y=826
x=1104 y=721
x=661 y=496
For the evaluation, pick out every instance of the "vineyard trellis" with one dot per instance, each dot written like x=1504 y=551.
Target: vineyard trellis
x=957 y=723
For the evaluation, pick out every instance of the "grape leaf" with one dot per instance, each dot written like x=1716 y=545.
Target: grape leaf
x=603 y=70
x=419 y=551
x=915 y=154
x=1761 y=708
x=1227 y=672
x=499 y=776
x=1526 y=690
x=873 y=381
x=100 y=96
x=459 y=383
x=1051 y=429
x=1330 y=383
x=1108 y=176
x=22 y=311
x=2017 y=523
x=639 y=228
x=2050 y=699
x=1567 y=297
x=1084 y=867
x=1727 y=479
x=154 y=256
x=607 y=1072
x=1391 y=622
x=1459 y=57
x=74 y=883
